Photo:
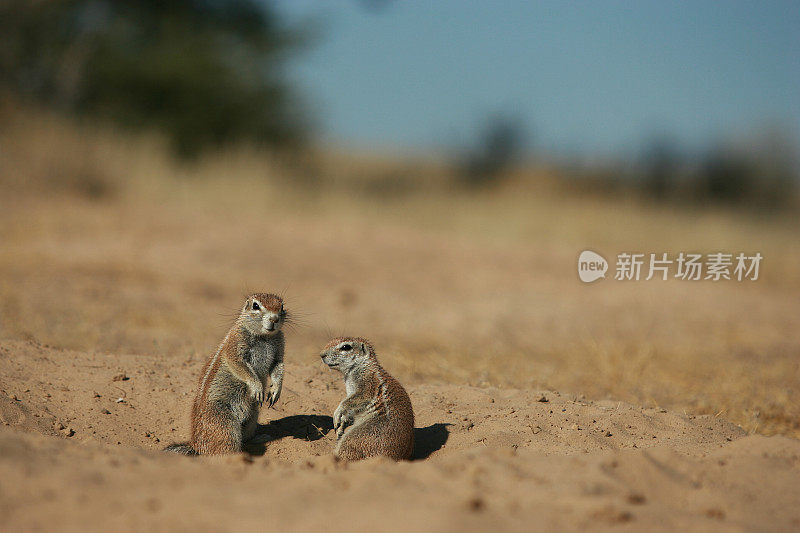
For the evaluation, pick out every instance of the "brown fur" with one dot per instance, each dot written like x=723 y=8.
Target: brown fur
x=225 y=408
x=376 y=417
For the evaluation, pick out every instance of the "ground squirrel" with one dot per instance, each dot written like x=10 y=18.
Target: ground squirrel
x=376 y=417
x=231 y=386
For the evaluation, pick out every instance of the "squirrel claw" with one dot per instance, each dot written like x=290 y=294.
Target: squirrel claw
x=274 y=394
x=258 y=395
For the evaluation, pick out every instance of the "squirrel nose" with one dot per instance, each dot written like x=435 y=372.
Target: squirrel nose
x=273 y=318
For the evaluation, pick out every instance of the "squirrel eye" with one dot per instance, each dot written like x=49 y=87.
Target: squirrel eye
x=346 y=347
x=256 y=307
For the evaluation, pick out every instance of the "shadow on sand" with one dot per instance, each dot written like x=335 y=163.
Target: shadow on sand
x=314 y=427
x=428 y=440
x=305 y=427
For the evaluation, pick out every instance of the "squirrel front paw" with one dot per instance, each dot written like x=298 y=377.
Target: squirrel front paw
x=341 y=421
x=257 y=391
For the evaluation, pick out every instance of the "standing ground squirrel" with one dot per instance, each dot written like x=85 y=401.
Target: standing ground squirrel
x=376 y=417
x=231 y=386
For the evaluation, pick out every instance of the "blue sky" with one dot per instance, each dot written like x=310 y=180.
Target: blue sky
x=593 y=77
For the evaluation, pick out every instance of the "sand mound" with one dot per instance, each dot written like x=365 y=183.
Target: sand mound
x=82 y=433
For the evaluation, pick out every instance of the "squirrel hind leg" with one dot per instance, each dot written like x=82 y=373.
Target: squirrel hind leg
x=250 y=426
x=356 y=443
x=218 y=435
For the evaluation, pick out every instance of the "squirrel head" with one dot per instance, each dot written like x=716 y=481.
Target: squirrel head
x=346 y=353
x=263 y=314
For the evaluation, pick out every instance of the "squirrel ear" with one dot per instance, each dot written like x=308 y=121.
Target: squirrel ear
x=364 y=348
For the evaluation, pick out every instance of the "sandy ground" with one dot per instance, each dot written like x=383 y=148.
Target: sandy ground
x=120 y=272
x=79 y=448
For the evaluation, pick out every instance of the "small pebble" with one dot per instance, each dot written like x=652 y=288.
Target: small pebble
x=636 y=499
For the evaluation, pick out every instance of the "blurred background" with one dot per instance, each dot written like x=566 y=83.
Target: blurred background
x=421 y=174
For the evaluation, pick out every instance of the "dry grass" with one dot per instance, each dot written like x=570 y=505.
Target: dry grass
x=107 y=245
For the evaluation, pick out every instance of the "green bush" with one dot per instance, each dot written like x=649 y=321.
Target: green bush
x=206 y=72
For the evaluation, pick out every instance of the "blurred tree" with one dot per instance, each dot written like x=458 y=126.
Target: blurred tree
x=499 y=145
x=661 y=163
x=760 y=169
x=726 y=176
x=773 y=152
x=206 y=72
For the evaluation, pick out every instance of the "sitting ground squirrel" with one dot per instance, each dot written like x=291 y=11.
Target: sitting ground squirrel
x=376 y=417
x=231 y=386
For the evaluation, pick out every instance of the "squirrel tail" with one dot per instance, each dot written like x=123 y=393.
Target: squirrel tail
x=182 y=448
